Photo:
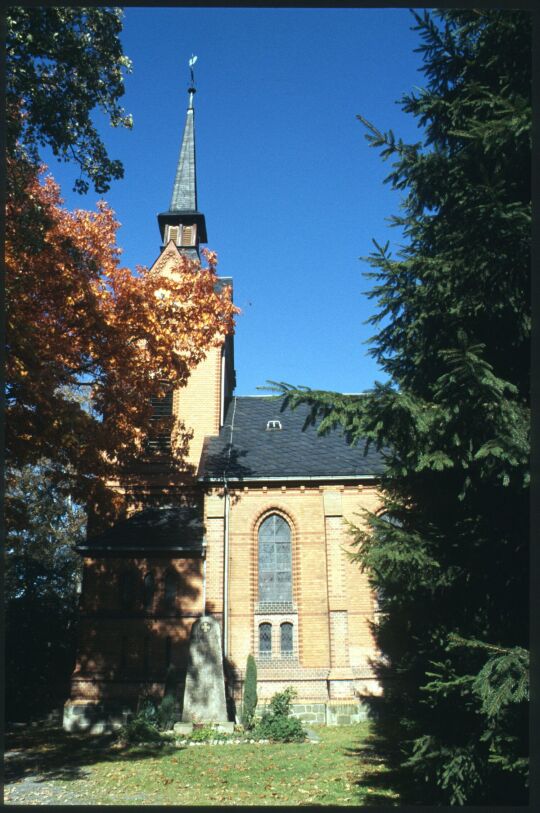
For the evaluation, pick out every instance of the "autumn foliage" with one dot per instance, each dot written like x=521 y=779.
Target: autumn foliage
x=90 y=342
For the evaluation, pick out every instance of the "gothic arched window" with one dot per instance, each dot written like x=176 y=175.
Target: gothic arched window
x=148 y=591
x=275 y=571
x=128 y=585
x=170 y=590
x=286 y=639
x=265 y=639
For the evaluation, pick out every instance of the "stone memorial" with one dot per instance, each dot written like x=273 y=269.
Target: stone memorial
x=204 y=695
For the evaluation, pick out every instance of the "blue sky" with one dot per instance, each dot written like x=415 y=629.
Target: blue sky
x=291 y=190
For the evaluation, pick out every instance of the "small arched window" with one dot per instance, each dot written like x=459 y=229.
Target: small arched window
x=170 y=590
x=275 y=572
x=286 y=638
x=148 y=591
x=265 y=639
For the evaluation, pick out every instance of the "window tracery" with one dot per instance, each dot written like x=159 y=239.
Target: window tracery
x=265 y=639
x=286 y=638
x=275 y=566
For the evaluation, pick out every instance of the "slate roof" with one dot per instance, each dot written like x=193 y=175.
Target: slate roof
x=245 y=449
x=184 y=194
x=177 y=528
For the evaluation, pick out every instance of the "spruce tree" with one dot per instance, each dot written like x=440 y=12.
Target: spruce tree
x=448 y=554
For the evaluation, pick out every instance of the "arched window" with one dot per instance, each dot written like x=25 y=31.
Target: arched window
x=275 y=572
x=170 y=590
x=265 y=639
x=128 y=589
x=148 y=591
x=286 y=638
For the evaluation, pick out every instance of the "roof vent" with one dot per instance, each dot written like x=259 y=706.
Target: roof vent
x=273 y=425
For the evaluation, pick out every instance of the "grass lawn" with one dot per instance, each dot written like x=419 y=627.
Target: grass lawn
x=339 y=770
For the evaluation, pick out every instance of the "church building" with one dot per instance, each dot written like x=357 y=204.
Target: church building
x=252 y=530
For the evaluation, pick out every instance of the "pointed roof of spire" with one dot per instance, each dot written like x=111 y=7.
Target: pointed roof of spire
x=183 y=206
x=184 y=195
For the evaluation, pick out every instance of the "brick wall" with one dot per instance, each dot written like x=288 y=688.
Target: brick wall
x=198 y=404
x=360 y=605
x=121 y=648
x=332 y=603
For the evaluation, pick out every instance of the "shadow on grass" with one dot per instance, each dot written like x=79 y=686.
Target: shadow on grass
x=53 y=753
x=380 y=784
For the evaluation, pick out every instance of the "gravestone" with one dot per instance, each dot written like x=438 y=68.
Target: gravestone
x=204 y=695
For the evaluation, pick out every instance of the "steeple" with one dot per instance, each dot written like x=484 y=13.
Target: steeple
x=184 y=195
x=183 y=223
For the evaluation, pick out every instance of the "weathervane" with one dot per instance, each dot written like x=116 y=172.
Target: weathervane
x=191 y=88
x=192 y=61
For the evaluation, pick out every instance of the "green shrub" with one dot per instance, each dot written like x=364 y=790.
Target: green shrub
x=166 y=713
x=282 y=729
x=206 y=733
x=280 y=704
x=250 y=693
x=139 y=730
x=276 y=722
x=146 y=708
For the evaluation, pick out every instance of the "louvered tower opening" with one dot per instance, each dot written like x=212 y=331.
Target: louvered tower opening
x=181 y=235
x=174 y=234
x=159 y=442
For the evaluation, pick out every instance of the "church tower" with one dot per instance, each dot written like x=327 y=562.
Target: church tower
x=144 y=577
x=202 y=403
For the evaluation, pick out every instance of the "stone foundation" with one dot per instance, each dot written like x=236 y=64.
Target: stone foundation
x=95 y=718
x=100 y=718
x=311 y=686
x=345 y=713
x=326 y=713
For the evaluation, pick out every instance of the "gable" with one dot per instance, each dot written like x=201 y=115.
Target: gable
x=167 y=262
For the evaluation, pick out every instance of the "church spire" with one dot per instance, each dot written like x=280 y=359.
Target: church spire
x=183 y=223
x=184 y=195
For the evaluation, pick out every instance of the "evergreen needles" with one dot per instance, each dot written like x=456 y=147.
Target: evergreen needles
x=250 y=693
x=448 y=554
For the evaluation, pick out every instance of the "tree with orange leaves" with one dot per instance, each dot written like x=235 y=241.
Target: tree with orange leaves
x=78 y=322
x=88 y=342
